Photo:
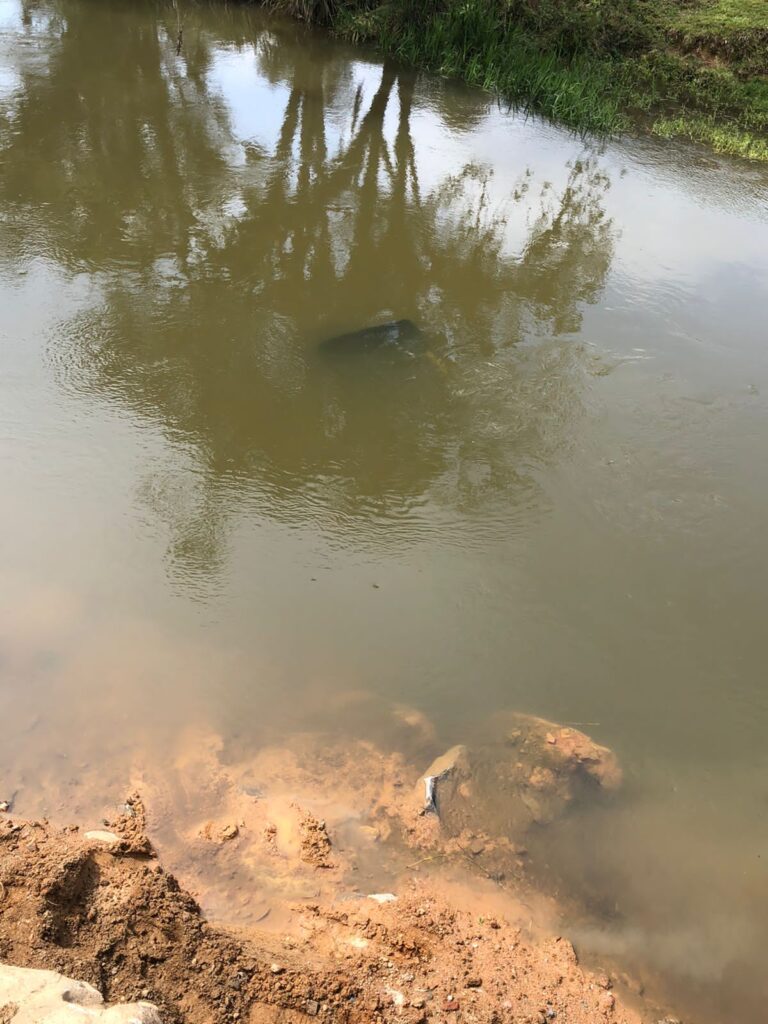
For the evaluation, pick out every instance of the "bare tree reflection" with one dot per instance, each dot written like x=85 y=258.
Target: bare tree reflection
x=220 y=263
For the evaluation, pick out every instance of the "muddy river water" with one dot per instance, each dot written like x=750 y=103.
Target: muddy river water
x=557 y=505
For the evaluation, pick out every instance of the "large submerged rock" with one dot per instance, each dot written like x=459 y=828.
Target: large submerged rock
x=45 y=997
x=526 y=774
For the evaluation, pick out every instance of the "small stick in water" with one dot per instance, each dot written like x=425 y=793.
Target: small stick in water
x=180 y=38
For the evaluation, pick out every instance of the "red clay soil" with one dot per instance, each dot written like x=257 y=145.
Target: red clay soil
x=110 y=915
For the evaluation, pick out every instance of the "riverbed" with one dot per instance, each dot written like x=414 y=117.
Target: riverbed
x=557 y=506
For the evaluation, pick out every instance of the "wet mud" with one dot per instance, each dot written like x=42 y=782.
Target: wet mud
x=312 y=880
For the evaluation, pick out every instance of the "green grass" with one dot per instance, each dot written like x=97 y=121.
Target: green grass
x=603 y=66
x=723 y=138
x=736 y=31
x=678 y=88
x=726 y=16
x=469 y=41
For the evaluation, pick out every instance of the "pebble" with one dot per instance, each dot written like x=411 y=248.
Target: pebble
x=382 y=897
x=607 y=1000
x=102 y=836
x=276 y=969
x=398 y=999
x=313 y=1007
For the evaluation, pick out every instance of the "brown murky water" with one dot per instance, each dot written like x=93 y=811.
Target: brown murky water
x=558 y=506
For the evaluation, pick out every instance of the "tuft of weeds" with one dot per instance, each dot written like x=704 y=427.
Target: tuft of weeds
x=723 y=138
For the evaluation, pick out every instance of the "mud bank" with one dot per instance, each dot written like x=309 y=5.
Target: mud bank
x=452 y=939
x=117 y=920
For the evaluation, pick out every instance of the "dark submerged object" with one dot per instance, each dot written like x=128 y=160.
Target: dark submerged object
x=394 y=334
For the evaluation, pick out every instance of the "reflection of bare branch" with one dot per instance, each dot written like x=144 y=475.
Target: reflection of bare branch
x=406 y=154
x=179 y=28
x=356 y=107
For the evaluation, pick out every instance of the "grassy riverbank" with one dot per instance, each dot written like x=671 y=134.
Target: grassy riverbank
x=697 y=69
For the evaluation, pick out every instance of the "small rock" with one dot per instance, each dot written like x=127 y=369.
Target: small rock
x=277 y=969
x=254 y=791
x=229 y=832
x=473 y=983
x=451 y=1004
x=398 y=999
x=99 y=835
x=315 y=842
x=4 y=806
x=446 y=763
x=418 y=1004
x=313 y=1007
x=607 y=1001
x=382 y=897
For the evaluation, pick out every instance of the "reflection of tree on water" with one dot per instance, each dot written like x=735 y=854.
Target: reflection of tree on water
x=222 y=265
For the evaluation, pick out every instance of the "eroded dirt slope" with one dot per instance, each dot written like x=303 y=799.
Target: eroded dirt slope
x=109 y=914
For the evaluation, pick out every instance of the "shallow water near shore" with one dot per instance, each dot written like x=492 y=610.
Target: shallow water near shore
x=557 y=507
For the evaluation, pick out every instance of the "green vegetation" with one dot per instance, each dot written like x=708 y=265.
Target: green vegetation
x=697 y=69
x=735 y=31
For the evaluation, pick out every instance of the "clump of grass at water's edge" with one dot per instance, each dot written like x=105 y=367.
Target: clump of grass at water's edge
x=694 y=68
